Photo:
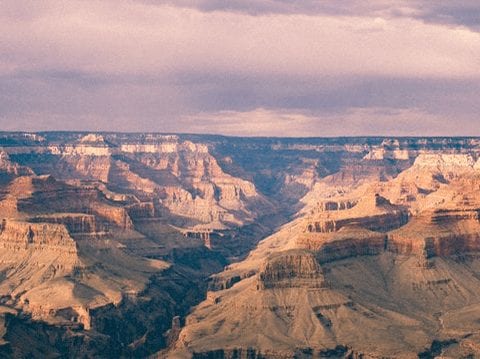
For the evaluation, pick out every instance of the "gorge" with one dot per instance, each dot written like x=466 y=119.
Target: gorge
x=204 y=246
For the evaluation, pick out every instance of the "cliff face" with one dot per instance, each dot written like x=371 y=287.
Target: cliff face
x=439 y=233
x=32 y=256
x=182 y=177
x=9 y=169
x=76 y=223
x=190 y=183
x=291 y=269
x=44 y=195
x=371 y=212
x=346 y=243
x=21 y=234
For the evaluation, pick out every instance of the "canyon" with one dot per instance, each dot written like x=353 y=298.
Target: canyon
x=203 y=246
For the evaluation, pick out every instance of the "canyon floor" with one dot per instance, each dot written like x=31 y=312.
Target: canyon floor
x=198 y=246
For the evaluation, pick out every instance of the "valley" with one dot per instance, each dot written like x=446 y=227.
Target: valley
x=203 y=246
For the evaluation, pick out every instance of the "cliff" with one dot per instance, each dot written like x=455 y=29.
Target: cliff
x=350 y=241
x=32 y=255
x=22 y=235
x=74 y=222
x=181 y=176
x=9 y=169
x=438 y=233
x=291 y=269
x=372 y=212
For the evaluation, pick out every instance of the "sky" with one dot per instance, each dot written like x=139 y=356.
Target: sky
x=242 y=67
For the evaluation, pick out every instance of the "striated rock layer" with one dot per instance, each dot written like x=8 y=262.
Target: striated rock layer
x=291 y=269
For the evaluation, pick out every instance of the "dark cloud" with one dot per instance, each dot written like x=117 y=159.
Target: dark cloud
x=462 y=13
x=216 y=92
x=368 y=105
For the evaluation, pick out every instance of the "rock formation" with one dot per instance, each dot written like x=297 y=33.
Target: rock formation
x=390 y=246
x=372 y=212
x=290 y=269
x=133 y=245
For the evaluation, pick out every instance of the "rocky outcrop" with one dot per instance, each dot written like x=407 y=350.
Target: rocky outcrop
x=42 y=196
x=74 y=222
x=291 y=269
x=372 y=212
x=382 y=222
x=10 y=168
x=164 y=144
x=89 y=166
x=439 y=232
x=22 y=235
x=141 y=210
x=408 y=149
x=226 y=282
x=338 y=205
x=445 y=161
x=339 y=351
x=33 y=255
x=118 y=216
x=347 y=242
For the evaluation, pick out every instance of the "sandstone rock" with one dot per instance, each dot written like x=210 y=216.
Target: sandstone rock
x=371 y=212
x=438 y=233
x=443 y=161
x=291 y=269
x=74 y=222
x=350 y=241
x=22 y=235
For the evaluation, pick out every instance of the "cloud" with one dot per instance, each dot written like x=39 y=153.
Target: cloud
x=351 y=122
x=150 y=65
x=129 y=37
x=458 y=13
x=267 y=122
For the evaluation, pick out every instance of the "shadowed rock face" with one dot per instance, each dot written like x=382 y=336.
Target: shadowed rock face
x=135 y=244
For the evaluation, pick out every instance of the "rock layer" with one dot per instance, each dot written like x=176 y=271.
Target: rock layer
x=291 y=269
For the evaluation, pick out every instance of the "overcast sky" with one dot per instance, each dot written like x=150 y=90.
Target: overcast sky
x=241 y=67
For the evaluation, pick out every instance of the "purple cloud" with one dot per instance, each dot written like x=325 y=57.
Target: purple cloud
x=148 y=65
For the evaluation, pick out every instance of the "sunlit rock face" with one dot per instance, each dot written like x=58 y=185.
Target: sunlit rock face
x=291 y=269
x=190 y=246
x=181 y=177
